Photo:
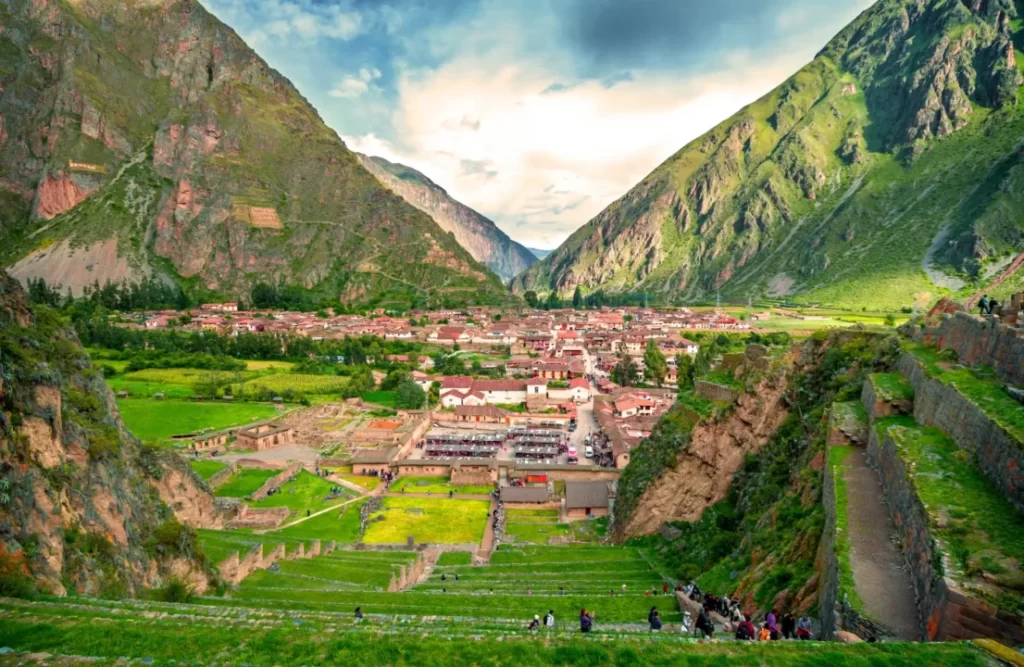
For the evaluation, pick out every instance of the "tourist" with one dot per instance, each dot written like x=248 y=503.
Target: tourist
x=534 y=624
x=655 y=622
x=804 y=628
x=704 y=624
x=549 y=620
x=612 y=592
x=623 y=589
x=307 y=513
x=647 y=594
x=561 y=591
x=359 y=612
x=789 y=626
x=770 y=622
x=765 y=634
x=529 y=591
x=444 y=577
x=664 y=588
x=983 y=304
x=456 y=576
x=586 y=621
x=451 y=493
x=652 y=613
x=491 y=591
x=687 y=620
x=745 y=630
x=992 y=306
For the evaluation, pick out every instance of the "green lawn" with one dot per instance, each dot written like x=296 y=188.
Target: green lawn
x=208 y=468
x=157 y=421
x=428 y=520
x=365 y=481
x=388 y=399
x=340 y=525
x=534 y=526
x=438 y=485
x=455 y=558
x=305 y=492
x=245 y=482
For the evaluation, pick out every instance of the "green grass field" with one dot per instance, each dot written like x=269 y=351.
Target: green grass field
x=156 y=421
x=306 y=492
x=436 y=520
x=208 y=468
x=244 y=482
x=388 y=399
x=298 y=383
x=341 y=525
x=534 y=526
x=437 y=485
x=365 y=481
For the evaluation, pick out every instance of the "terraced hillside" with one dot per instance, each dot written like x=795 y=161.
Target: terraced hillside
x=884 y=173
x=148 y=139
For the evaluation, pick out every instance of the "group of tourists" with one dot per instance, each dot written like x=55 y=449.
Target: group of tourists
x=548 y=622
x=773 y=628
x=988 y=306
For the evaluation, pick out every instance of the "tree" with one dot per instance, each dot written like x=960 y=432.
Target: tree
x=394 y=380
x=684 y=370
x=654 y=361
x=702 y=362
x=625 y=372
x=553 y=302
x=531 y=299
x=410 y=396
x=577 y=298
x=890 y=321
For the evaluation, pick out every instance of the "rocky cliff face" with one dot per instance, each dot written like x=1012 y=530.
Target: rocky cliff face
x=477 y=234
x=895 y=150
x=152 y=126
x=81 y=503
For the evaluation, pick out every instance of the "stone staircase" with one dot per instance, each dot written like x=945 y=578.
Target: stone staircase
x=946 y=453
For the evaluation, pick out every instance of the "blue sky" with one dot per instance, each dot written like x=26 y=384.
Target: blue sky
x=537 y=113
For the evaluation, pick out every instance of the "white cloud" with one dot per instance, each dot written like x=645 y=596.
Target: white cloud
x=284 y=19
x=351 y=87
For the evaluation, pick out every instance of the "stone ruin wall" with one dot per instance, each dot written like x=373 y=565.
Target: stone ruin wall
x=980 y=342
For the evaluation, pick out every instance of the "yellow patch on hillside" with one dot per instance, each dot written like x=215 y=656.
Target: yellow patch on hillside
x=264 y=217
x=86 y=166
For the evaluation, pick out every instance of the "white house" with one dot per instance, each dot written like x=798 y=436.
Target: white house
x=580 y=390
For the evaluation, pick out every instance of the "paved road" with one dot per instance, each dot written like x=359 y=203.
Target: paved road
x=585 y=425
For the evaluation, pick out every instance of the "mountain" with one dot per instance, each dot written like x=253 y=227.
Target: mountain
x=477 y=234
x=146 y=138
x=83 y=506
x=887 y=171
x=538 y=253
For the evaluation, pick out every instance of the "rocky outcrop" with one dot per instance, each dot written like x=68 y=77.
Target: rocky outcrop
x=79 y=500
x=776 y=194
x=60 y=193
x=704 y=469
x=478 y=235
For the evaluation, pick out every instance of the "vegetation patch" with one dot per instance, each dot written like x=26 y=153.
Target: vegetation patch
x=427 y=520
x=207 y=469
x=157 y=421
x=305 y=493
x=244 y=483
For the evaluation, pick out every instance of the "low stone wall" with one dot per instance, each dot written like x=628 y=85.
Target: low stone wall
x=334 y=463
x=550 y=505
x=221 y=476
x=259 y=517
x=408 y=575
x=950 y=614
x=256 y=463
x=981 y=342
x=714 y=392
x=234 y=569
x=572 y=474
x=277 y=481
x=996 y=453
x=878 y=406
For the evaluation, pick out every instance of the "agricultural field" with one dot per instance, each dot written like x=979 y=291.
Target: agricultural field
x=387 y=399
x=306 y=493
x=219 y=544
x=157 y=421
x=260 y=365
x=427 y=520
x=244 y=482
x=207 y=469
x=437 y=485
x=297 y=383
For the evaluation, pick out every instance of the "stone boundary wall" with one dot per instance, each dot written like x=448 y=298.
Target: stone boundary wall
x=472 y=477
x=234 y=569
x=878 y=407
x=836 y=612
x=996 y=453
x=580 y=475
x=259 y=517
x=408 y=575
x=334 y=463
x=256 y=463
x=981 y=342
x=714 y=392
x=221 y=476
x=277 y=480
x=550 y=505
x=951 y=614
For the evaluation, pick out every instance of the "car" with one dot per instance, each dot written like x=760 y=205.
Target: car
x=573 y=461
x=589 y=451
x=572 y=427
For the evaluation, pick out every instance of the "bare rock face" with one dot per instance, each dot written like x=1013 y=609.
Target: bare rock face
x=704 y=469
x=81 y=509
x=60 y=193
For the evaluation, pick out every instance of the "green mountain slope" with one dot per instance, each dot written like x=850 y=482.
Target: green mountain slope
x=477 y=234
x=885 y=172
x=195 y=160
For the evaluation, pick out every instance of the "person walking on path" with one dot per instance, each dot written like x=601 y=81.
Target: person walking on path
x=664 y=588
x=983 y=305
x=704 y=624
x=359 y=613
x=534 y=624
x=549 y=620
x=771 y=622
x=652 y=613
x=789 y=626
x=655 y=621
x=586 y=621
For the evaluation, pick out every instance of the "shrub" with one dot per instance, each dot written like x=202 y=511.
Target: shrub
x=175 y=590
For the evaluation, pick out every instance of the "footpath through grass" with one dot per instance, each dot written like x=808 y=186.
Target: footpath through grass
x=306 y=493
x=152 y=420
x=341 y=525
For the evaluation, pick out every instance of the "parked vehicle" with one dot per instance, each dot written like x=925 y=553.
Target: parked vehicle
x=589 y=451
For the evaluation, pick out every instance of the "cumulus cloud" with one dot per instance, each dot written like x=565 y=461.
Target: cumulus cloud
x=354 y=86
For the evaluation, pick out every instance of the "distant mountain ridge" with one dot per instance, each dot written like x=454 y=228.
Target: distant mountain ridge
x=888 y=171
x=474 y=232
x=540 y=254
x=147 y=138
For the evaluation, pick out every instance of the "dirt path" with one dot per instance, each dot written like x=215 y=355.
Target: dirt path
x=307 y=518
x=483 y=554
x=879 y=570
